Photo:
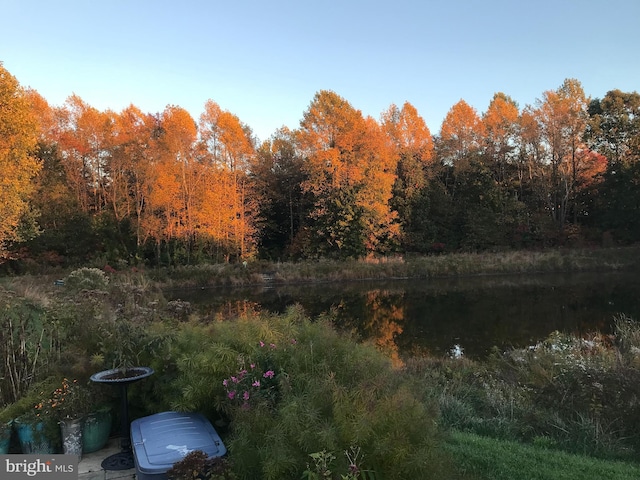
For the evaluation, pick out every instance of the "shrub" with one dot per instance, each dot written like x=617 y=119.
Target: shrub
x=86 y=279
x=197 y=465
x=23 y=346
x=323 y=391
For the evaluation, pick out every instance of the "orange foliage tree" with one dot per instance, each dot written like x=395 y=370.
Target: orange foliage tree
x=412 y=146
x=461 y=135
x=350 y=173
x=562 y=116
x=18 y=137
x=501 y=127
x=131 y=169
x=228 y=150
x=84 y=140
x=172 y=196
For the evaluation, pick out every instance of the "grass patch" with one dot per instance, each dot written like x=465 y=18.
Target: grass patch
x=487 y=458
x=435 y=266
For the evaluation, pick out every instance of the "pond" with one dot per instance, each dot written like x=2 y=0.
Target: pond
x=438 y=316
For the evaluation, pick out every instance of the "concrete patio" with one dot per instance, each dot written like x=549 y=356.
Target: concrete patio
x=90 y=468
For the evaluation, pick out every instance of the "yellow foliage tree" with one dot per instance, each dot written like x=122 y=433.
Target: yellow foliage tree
x=18 y=137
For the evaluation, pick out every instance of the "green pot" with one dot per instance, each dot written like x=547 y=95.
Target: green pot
x=96 y=430
x=5 y=438
x=33 y=437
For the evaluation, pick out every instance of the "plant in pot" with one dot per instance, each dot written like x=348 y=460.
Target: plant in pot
x=37 y=428
x=69 y=405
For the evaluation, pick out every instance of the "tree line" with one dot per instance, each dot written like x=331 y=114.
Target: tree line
x=81 y=184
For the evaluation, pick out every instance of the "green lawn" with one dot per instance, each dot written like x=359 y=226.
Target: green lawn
x=481 y=458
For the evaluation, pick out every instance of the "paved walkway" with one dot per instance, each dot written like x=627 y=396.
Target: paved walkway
x=90 y=469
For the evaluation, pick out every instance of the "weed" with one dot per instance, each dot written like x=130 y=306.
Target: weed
x=86 y=279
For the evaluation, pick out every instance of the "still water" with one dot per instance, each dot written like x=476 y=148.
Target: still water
x=472 y=314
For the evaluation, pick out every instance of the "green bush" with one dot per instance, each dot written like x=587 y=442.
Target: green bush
x=318 y=391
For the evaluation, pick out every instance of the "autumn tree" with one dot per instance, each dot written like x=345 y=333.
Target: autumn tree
x=228 y=150
x=18 y=138
x=44 y=115
x=412 y=146
x=350 y=173
x=477 y=155
x=457 y=147
x=132 y=173
x=530 y=149
x=171 y=199
x=84 y=135
x=500 y=123
x=562 y=115
x=461 y=135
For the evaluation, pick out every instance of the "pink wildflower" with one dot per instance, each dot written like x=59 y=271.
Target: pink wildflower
x=253 y=365
x=232 y=395
x=293 y=341
x=245 y=396
x=269 y=374
x=261 y=343
x=225 y=382
x=256 y=383
x=273 y=345
x=234 y=379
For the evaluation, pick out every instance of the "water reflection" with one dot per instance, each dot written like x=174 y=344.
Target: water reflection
x=469 y=315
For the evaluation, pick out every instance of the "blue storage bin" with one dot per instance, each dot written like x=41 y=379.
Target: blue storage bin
x=160 y=440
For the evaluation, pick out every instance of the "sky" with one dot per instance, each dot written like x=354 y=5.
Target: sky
x=264 y=61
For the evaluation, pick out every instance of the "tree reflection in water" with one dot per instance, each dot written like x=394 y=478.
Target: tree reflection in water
x=418 y=317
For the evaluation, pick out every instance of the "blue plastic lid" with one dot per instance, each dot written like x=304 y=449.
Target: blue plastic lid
x=162 y=439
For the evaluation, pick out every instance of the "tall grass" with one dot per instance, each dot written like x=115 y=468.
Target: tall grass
x=454 y=264
x=576 y=394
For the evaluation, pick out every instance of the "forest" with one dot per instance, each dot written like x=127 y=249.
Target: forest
x=81 y=185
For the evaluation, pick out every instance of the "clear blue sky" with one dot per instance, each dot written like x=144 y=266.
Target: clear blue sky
x=264 y=60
